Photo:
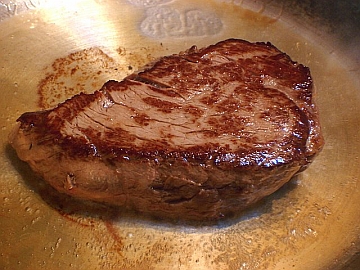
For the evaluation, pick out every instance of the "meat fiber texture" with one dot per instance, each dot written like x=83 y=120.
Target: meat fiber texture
x=199 y=135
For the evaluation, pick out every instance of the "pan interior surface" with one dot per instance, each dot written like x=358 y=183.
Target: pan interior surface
x=50 y=51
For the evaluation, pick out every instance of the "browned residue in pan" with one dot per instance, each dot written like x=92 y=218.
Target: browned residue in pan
x=86 y=71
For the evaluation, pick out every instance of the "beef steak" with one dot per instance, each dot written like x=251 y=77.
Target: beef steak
x=199 y=135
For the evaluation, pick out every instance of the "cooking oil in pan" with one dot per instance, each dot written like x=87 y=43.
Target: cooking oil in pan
x=62 y=55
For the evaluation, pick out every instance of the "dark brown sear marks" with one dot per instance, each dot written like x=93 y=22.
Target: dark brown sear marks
x=142 y=119
x=162 y=105
x=224 y=93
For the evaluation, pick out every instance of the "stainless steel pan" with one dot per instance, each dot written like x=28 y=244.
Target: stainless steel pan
x=51 y=50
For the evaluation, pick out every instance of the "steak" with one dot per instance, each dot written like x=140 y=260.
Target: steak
x=200 y=135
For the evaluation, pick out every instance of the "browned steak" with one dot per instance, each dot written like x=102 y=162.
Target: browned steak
x=198 y=135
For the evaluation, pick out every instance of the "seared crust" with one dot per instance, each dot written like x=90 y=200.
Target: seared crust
x=199 y=135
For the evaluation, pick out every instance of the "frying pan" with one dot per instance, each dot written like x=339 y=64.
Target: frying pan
x=51 y=50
